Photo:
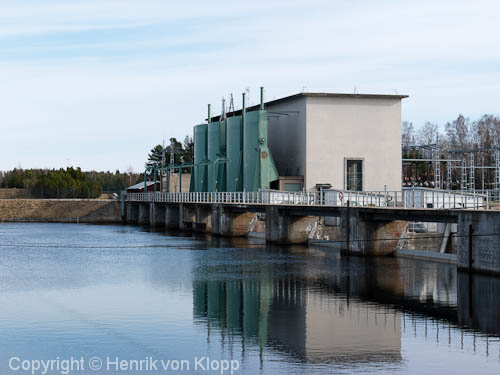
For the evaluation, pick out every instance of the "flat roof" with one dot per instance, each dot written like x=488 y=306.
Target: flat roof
x=316 y=95
x=140 y=185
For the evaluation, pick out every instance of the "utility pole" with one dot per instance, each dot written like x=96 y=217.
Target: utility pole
x=172 y=161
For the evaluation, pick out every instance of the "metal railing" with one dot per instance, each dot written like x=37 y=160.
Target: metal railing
x=407 y=198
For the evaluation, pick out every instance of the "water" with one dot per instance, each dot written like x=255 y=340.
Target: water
x=115 y=291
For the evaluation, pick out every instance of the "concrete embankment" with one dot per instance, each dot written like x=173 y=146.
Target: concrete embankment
x=421 y=254
x=60 y=210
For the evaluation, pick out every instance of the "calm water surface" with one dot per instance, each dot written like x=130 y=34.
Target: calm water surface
x=117 y=291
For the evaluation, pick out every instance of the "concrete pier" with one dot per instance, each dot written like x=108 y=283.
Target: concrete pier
x=172 y=216
x=187 y=216
x=203 y=219
x=156 y=215
x=369 y=237
x=143 y=218
x=288 y=229
x=231 y=224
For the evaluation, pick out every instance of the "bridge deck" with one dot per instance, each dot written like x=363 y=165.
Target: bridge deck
x=303 y=204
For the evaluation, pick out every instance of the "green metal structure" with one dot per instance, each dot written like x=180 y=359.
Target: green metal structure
x=232 y=154
x=258 y=165
x=216 y=152
x=234 y=167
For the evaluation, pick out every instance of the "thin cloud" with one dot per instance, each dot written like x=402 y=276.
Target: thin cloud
x=101 y=82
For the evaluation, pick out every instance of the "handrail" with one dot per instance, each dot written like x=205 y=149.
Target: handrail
x=406 y=198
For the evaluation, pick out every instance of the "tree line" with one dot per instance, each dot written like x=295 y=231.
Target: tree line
x=67 y=183
x=182 y=152
x=460 y=139
x=75 y=183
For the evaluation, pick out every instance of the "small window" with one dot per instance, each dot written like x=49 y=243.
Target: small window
x=354 y=175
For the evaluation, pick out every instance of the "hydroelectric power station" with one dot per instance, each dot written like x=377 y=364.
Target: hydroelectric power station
x=288 y=165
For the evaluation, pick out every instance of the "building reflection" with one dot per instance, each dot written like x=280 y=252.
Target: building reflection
x=286 y=315
x=347 y=309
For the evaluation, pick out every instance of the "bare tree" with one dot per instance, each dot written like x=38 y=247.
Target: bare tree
x=458 y=133
x=407 y=134
x=428 y=134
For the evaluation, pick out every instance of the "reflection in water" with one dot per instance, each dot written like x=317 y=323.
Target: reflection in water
x=479 y=302
x=351 y=310
x=290 y=316
x=114 y=290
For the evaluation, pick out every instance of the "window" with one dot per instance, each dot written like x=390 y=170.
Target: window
x=354 y=175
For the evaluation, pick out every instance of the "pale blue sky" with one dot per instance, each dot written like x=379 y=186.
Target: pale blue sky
x=99 y=82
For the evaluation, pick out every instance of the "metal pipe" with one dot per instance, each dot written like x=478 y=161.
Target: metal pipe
x=209 y=115
x=262 y=98
x=243 y=112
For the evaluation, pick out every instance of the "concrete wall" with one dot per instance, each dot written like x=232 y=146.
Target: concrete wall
x=287 y=136
x=64 y=210
x=481 y=251
x=368 y=129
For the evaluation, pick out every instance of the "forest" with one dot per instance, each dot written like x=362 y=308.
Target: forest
x=66 y=183
x=75 y=183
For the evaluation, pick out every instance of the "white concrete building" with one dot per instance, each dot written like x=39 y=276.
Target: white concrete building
x=348 y=141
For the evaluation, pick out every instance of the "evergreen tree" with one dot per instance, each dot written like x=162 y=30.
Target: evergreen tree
x=155 y=156
x=188 y=152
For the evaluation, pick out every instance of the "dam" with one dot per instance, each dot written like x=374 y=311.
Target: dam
x=365 y=230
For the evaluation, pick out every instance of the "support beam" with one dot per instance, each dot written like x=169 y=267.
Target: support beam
x=446 y=237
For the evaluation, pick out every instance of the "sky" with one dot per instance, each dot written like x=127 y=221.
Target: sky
x=98 y=83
